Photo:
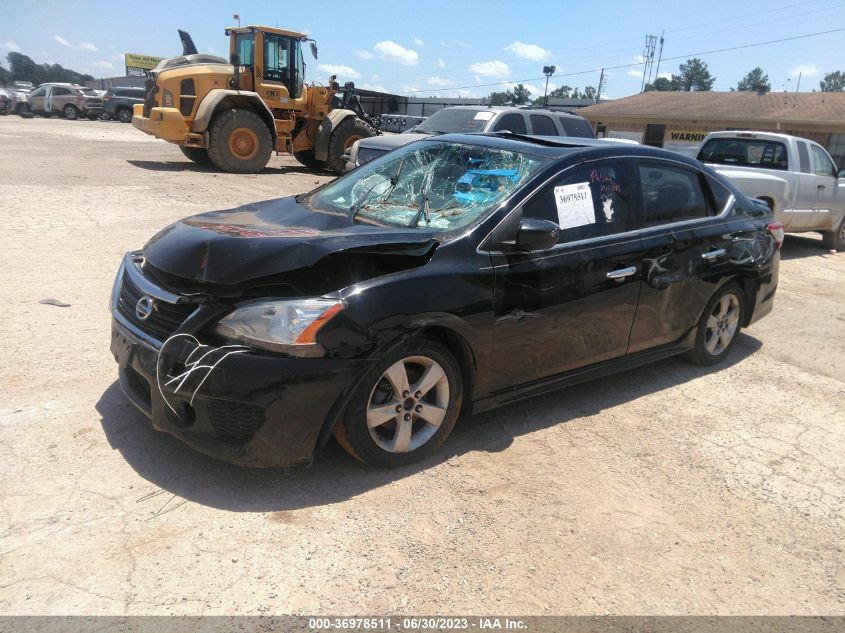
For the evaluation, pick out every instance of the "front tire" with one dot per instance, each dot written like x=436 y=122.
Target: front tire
x=835 y=239
x=351 y=129
x=198 y=155
x=239 y=142
x=719 y=326
x=405 y=407
x=70 y=112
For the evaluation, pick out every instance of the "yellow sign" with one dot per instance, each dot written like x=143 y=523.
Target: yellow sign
x=685 y=136
x=144 y=62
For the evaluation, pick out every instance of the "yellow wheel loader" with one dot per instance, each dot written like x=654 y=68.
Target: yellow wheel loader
x=235 y=114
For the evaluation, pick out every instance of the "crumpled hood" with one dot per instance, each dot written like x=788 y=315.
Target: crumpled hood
x=261 y=240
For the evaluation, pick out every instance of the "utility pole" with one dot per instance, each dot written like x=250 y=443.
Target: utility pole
x=601 y=86
x=798 y=85
x=659 y=57
x=548 y=71
x=648 y=58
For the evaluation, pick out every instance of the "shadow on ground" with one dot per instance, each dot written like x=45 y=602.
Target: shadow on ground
x=186 y=165
x=334 y=476
x=801 y=246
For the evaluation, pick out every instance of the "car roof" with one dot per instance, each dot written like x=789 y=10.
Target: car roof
x=493 y=108
x=560 y=146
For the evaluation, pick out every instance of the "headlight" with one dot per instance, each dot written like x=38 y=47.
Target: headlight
x=281 y=326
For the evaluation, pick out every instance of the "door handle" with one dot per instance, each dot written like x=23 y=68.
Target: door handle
x=711 y=255
x=622 y=273
x=821 y=187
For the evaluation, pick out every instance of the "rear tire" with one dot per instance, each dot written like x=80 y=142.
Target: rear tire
x=124 y=115
x=835 y=239
x=199 y=155
x=350 y=130
x=70 y=112
x=239 y=142
x=719 y=326
x=387 y=424
x=306 y=158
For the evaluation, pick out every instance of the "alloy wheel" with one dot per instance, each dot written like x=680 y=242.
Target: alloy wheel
x=408 y=404
x=722 y=324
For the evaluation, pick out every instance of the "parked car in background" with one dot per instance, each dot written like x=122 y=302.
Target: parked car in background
x=5 y=101
x=796 y=177
x=457 y=272
x=68 y=100
x=20 y=101
x=462 y=119
x=118 y=102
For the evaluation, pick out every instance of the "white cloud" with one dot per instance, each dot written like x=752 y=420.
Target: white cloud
x=441 y=63
x=408 y=88
x=82 y=46
x=493 y=68
x=340 y=70
x=11 y=46
x=391 y=51
x=364 y=54
x=805 y=70
x=439 y=81
x=418 y=42
x=664 y=75
x=635 y=72
x=529 y=51
x=376 y=87
x=104 y=64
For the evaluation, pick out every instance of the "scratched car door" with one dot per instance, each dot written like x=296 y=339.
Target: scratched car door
x=573 y=304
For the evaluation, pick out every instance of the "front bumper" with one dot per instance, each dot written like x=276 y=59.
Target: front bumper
x=252 y=409
x=163 y=123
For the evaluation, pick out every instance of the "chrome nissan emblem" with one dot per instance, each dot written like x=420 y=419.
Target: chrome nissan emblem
x=144 y=308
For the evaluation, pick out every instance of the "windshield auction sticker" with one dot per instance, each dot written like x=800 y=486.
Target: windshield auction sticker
x=574 y=205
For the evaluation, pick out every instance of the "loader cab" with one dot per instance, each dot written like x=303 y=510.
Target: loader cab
x=274 y=64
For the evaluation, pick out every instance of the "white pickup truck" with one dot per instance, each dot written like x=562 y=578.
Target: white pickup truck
x=796 y=177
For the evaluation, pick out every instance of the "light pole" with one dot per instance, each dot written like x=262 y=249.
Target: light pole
x=548 y=71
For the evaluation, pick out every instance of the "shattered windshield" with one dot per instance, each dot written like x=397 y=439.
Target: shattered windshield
x=428 y=185
x=455 y=120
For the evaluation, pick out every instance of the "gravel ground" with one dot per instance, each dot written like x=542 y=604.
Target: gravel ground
x=668 y=490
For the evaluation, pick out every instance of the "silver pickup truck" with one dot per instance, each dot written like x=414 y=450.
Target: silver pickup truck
x=796 y=177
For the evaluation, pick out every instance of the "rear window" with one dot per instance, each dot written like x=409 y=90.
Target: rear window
x=450 y=120
x=576 y=126
x=87 y=91
x=745 y=152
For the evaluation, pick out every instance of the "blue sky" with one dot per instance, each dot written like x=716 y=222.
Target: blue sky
x=447 y=48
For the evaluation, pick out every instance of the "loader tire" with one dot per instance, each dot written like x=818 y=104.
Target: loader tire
x=306 y=158
x=350 y=130
x=239 y=142
x=199 y=155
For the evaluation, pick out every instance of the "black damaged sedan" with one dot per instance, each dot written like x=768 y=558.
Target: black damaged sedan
x=457 y=273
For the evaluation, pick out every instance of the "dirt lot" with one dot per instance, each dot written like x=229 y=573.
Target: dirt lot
x=668 y=490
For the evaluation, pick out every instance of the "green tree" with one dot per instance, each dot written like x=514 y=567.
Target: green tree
x=5 y=77
x=520 y=95
x=662 y=84
x=590 y=92
x=22 y=68
x=833 y=82
x=694 y=76
x=755 y=80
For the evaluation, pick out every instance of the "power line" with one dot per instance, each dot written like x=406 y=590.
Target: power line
x=665 y=59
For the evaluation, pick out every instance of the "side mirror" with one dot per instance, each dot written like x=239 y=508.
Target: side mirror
x=536 y=235
x=235 y=59
x=314 y=49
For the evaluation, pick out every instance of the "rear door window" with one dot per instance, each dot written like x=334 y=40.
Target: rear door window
x=543 y=125
x=670 y=194
x=804 y=157
x=591 y=200
x=513 y=122
x=576 y=126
